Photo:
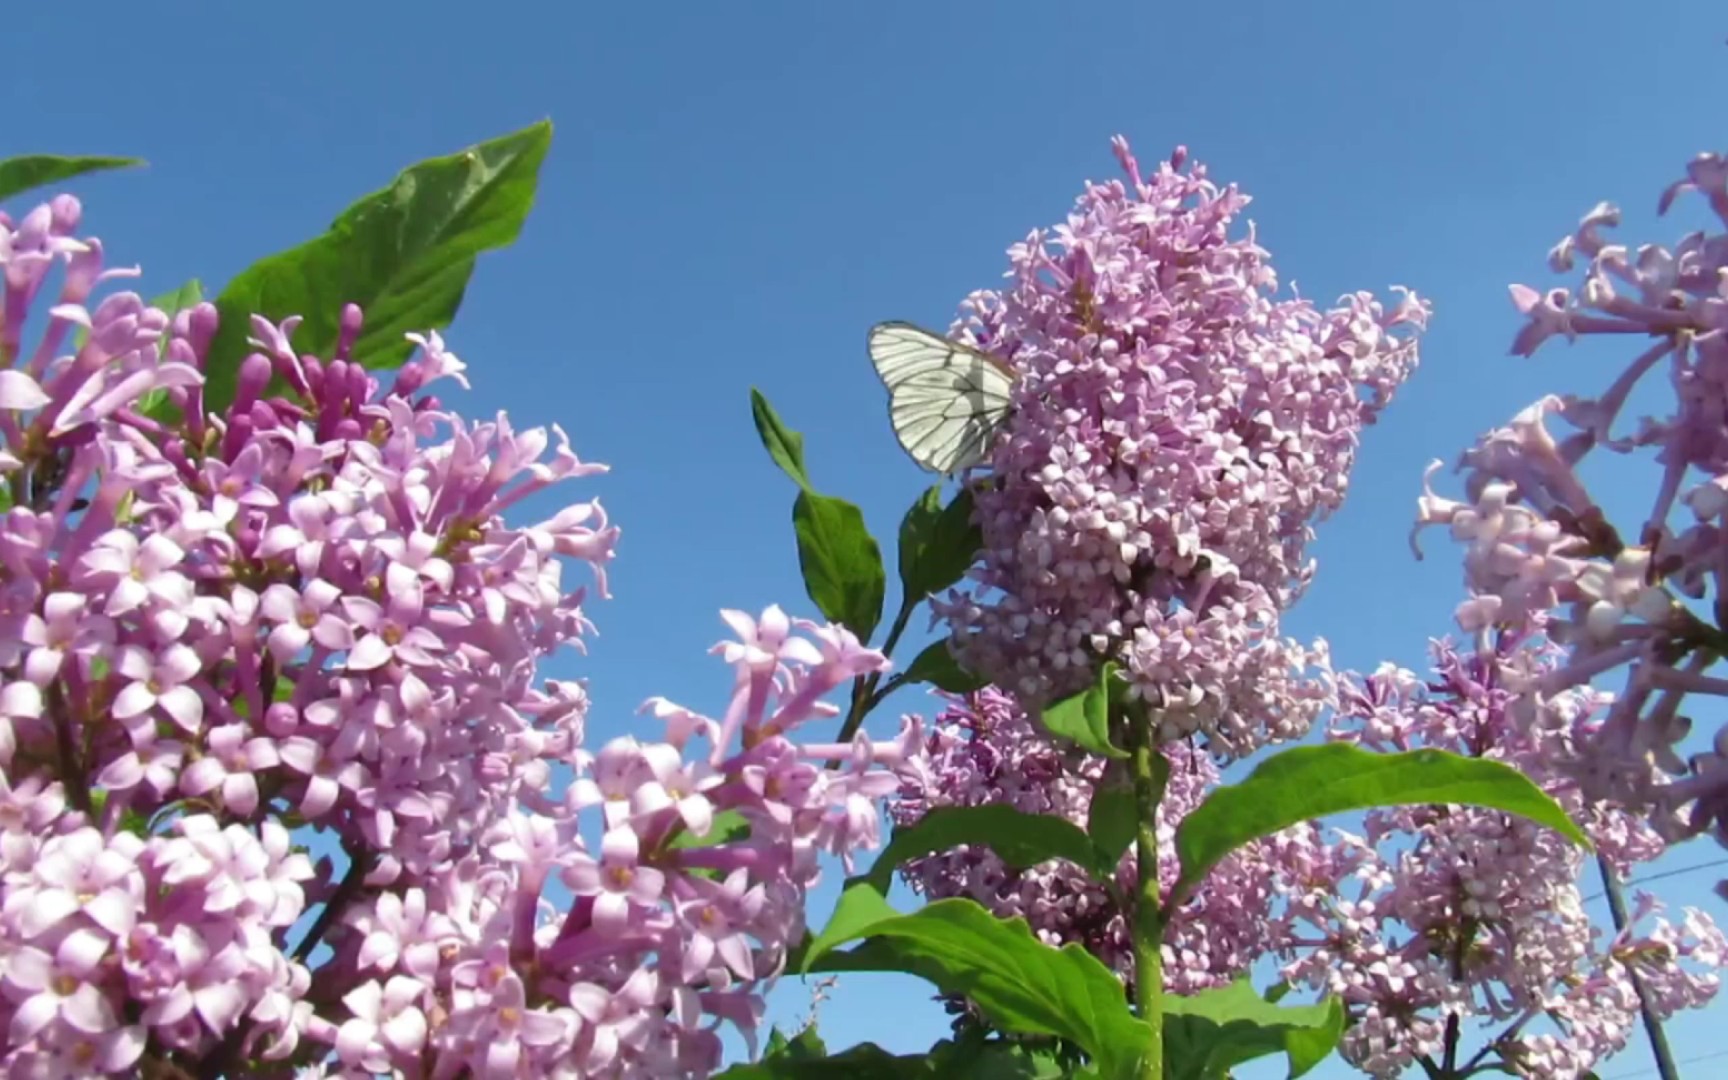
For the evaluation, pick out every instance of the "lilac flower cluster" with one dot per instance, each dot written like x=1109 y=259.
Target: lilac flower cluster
x=983 y=749
x=223 y=635
x=1537 y=543
x=1177 y=432
x=1436 y=912
x=1430 y=912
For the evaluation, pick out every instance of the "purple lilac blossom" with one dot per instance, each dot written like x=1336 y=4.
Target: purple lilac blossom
x=1177 y=432
x=307 y=612
x=1430 y=911
x=1646 y=606
x=1435 y=911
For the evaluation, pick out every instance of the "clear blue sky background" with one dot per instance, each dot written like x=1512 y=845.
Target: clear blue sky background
x=736 y=192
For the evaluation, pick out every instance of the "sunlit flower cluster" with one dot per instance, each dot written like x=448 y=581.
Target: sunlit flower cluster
x=1427 y=912
x=1645 y=604
x=1178 y=430
x=1434 y=911
x=229 y=629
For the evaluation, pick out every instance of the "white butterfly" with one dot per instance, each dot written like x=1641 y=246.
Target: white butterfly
x=945 y=400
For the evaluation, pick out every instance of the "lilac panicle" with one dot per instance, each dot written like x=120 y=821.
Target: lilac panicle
x=220 y=631
x=1434 y=912
x=1177 y=432
x=1429 y=912
x=1643 y=604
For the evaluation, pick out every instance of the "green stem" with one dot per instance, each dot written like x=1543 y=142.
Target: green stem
x=1150 y=772
x=1665 y=1067
x=864 y=696
x=899 y=626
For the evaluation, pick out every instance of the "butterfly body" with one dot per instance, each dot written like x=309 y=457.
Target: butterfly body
x=946 y=400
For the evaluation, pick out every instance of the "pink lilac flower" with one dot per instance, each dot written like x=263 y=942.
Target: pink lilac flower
x=1439 y=912
x=1361 y=915
x=306 y=612
x=1177 y=431
x=1642 y=603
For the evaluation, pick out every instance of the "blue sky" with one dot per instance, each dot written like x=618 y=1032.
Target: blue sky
x=736 y=192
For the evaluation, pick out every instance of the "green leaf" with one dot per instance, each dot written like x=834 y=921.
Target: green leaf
x=1019 y=839
x=1209 y=1033
x=946 y=1061
x=865 y=1062
x=135 y=823
x=728 y=825
x=783 y=444
x=178 y=300
x=861 y=906
x=996 y=1060
x=1084 y=717
x=1111 y=820
x=21 y=174
x=937 y=666
x=1307 y=1047
x=937 y=543
x=842 y=564
x=1307 y=782
x=807 y=1045
x=1017 y=981
x=404 y=254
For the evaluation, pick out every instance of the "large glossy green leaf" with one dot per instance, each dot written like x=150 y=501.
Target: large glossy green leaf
x=31 y=171
x=1308 y=782
x=404 y=254
x=784 y=446
x=1307 y=1047
x=947 y=1060
x=842 y=564
x=937 y=666
x=1019 y=839
x=937 y=543
x=1084 y=718
x=862 y=904
x=1018 y=982
x=1209 y=1033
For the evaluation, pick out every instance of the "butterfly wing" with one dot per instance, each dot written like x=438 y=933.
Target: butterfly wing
x=945 y=399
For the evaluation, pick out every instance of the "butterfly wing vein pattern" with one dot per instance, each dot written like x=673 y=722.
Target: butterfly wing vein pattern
x=945 y=399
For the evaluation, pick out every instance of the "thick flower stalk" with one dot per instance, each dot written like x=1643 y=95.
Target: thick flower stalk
x=984 y=750
x=304 y=619
x=1177 y=432
x=1645 y=605
x=1457 y=936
